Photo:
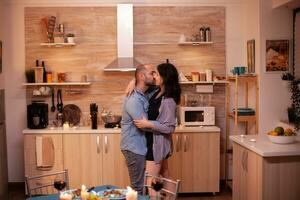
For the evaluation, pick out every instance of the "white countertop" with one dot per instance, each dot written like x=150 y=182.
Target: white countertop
x=264 y=147
x=179 y=129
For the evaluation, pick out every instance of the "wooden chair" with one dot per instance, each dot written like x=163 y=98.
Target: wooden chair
x=44 y=184
x=169 y=188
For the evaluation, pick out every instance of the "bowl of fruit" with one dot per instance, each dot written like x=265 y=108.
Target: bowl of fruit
x=282 y=136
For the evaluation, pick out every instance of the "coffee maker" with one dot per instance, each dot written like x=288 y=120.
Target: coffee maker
x=37 y=115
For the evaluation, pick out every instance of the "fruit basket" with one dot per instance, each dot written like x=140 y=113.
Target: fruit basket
x=282 y=136
x=282 y=139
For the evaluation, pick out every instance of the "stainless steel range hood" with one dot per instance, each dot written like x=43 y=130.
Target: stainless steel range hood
x=125 y=61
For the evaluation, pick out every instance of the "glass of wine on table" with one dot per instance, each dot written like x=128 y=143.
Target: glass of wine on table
x=59 y=182
x=157 y=185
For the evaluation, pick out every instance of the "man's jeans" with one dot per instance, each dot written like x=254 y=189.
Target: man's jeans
x=136 y=168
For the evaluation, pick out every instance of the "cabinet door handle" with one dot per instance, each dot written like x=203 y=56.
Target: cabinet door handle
x=243 y=160
x=98 y=144
x=106 y=144
x=246 y=161
x=177 y=143
x=185 y=140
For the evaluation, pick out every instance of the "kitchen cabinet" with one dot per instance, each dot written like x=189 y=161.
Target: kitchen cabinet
x=94 y=159
x=245 y=174
x=83 y=159
x=264 y=178
x=30 y=156
x=30 y=149
x=196 y=161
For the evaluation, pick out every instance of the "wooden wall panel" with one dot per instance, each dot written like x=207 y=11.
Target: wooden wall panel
x=95 y=30
x=166 y=24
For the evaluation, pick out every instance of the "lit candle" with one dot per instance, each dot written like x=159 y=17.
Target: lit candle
x=65 y=196
x=84 y=194
x=131 y=194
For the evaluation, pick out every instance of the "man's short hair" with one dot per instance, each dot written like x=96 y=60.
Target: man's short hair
x=139 y=69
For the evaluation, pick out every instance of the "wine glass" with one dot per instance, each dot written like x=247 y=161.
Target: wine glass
x=59 y=182
x=157 y=185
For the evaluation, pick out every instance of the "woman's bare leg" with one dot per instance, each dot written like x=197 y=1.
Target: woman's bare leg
x=153 y=169
x=165 y=169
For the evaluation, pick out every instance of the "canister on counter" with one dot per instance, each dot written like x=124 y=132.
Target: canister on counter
x=195 y=76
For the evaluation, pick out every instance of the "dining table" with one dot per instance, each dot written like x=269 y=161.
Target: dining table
x=96 y=189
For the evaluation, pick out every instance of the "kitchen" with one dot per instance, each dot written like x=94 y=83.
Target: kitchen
x=155 y=38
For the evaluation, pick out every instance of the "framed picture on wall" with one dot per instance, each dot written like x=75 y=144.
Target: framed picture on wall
x=277 y=55
x=0 y=56
x=251 y=56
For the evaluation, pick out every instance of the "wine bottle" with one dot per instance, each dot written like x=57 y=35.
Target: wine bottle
x=44 y=72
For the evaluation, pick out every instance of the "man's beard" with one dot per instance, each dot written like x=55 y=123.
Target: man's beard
x=150 y=83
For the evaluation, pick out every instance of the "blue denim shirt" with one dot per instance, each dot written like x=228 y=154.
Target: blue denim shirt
x=134 y=107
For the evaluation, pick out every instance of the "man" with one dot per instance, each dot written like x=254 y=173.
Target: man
x=133 y=141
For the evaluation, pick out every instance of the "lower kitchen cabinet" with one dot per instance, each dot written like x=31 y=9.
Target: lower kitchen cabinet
x=264 y=178
x=30 y=152
x=94 y=159
x=114 y=166
x=246 y=174
x=30 y=156
x=196 y=161
x=83 y=158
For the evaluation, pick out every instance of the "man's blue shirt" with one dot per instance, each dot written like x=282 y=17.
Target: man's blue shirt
x=134 y=107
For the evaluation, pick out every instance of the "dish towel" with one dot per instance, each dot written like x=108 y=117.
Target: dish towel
x=44 y=152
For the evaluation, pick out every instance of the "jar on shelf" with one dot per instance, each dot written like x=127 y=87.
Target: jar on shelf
x=61 y=77
x=49 y=77
x=195 y=76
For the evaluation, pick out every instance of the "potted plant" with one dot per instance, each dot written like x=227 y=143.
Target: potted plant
x=287 y=76
x=291 y=114
x=294 y=111
x=70 y=37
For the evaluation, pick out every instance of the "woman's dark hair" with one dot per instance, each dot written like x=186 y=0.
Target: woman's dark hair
x=169 y=74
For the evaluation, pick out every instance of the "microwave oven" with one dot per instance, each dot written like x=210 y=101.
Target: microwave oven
x=197 y=116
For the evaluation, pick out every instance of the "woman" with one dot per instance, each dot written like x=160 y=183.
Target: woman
x=161 y=119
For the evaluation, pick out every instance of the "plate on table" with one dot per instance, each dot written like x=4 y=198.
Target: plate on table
x=113 y=194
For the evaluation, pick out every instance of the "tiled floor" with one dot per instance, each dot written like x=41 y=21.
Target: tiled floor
x=16 y=192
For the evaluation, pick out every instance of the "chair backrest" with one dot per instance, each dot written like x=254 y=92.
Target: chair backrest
x=169 y=188
x=44 y=184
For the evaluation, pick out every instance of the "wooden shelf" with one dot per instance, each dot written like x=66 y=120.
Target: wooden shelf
x=203 y=82
x=153 y=43
x=172 y=43
x=240 y=118
x=57 y=44
x=242 y=78
x=58 y=84
x=195 y=43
